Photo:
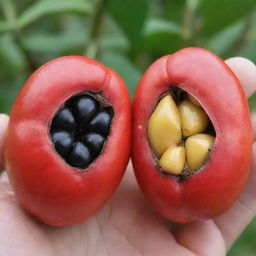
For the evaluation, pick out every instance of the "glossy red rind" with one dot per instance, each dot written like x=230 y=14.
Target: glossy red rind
x=215 y=187
x=46 y=186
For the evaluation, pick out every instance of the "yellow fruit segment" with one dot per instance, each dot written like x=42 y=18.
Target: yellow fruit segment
x=193 y=100
x=173 y=160
x=193 y=118
x=164 y=127
x=171 y=125
x=197 y=150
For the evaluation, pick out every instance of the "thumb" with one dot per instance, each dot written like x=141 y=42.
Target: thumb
x=4 y=119
x=245 y=70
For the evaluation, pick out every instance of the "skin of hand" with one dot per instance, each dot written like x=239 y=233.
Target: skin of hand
x=127 y=225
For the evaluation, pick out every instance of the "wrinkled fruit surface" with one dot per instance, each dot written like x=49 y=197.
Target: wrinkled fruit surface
x=62 y=148
x=192 y=136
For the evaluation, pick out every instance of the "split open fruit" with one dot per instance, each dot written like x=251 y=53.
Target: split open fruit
x=192 y=136
x=62 y=147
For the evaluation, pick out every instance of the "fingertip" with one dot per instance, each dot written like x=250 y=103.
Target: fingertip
x=245 y=70
x=4 y=119
x=253 y=118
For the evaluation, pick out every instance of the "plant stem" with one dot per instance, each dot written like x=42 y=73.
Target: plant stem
x=188 y=20
x=9 y=12
x=31 y=65
x=93 y=42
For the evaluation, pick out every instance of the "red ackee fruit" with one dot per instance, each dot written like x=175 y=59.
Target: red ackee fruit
x=68 y=140
x=216 y=186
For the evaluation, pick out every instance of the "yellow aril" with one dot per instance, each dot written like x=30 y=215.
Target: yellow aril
x=193 y=118
x=173 y=160
x=198 y=147
x=164 y=126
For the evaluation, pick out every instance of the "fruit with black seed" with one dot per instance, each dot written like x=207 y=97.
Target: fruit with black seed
x=63 y=181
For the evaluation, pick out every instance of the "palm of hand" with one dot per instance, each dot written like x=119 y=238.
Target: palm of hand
x=125 y=226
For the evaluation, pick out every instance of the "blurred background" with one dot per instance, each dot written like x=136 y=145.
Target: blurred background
x=126 y=35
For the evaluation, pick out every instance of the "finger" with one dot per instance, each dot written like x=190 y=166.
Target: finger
x=253 y=118
x=193 y=236
x=245 y=70
x=4 y=119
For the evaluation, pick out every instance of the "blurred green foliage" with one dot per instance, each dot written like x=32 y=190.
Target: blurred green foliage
x=126 y=35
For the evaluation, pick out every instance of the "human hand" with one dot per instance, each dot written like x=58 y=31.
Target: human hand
x=126 y=225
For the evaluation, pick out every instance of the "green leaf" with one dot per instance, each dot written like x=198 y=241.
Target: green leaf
x=114 y=42
x=252 y=102
x=3 y=26
x=217 y=14
x=174 y=10
x=122 y=65
x=222 y=42
x=245 y=244
x=46 y=43
x=11 y=56
x=249 y=51
x=162 y=36
x=130 y=15
x=10 y=88
x=46 y=7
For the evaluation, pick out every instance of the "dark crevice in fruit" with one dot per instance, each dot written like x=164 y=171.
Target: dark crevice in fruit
x=81 y=127
x=178 y=94
x=210 y=129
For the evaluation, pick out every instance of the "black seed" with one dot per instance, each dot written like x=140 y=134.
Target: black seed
x=80 y=128
x=64 y=120
x=62 y=141
x=84 y=108
x=100 y=123
x=94 y=141
x=79 y=156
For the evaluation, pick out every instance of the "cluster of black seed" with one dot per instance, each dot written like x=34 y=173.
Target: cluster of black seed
x=79 y=130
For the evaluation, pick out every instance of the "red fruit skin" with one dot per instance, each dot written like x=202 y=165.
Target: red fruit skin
x=50 y=189
x=214 y=188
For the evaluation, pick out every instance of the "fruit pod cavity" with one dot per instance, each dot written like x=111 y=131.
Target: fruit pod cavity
x=68 y=140
x=192 y=136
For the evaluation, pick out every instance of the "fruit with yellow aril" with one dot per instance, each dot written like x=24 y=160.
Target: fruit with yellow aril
x=211 y=179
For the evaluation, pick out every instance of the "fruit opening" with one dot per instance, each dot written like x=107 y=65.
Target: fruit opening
x=181 y=134
x=81 y=127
